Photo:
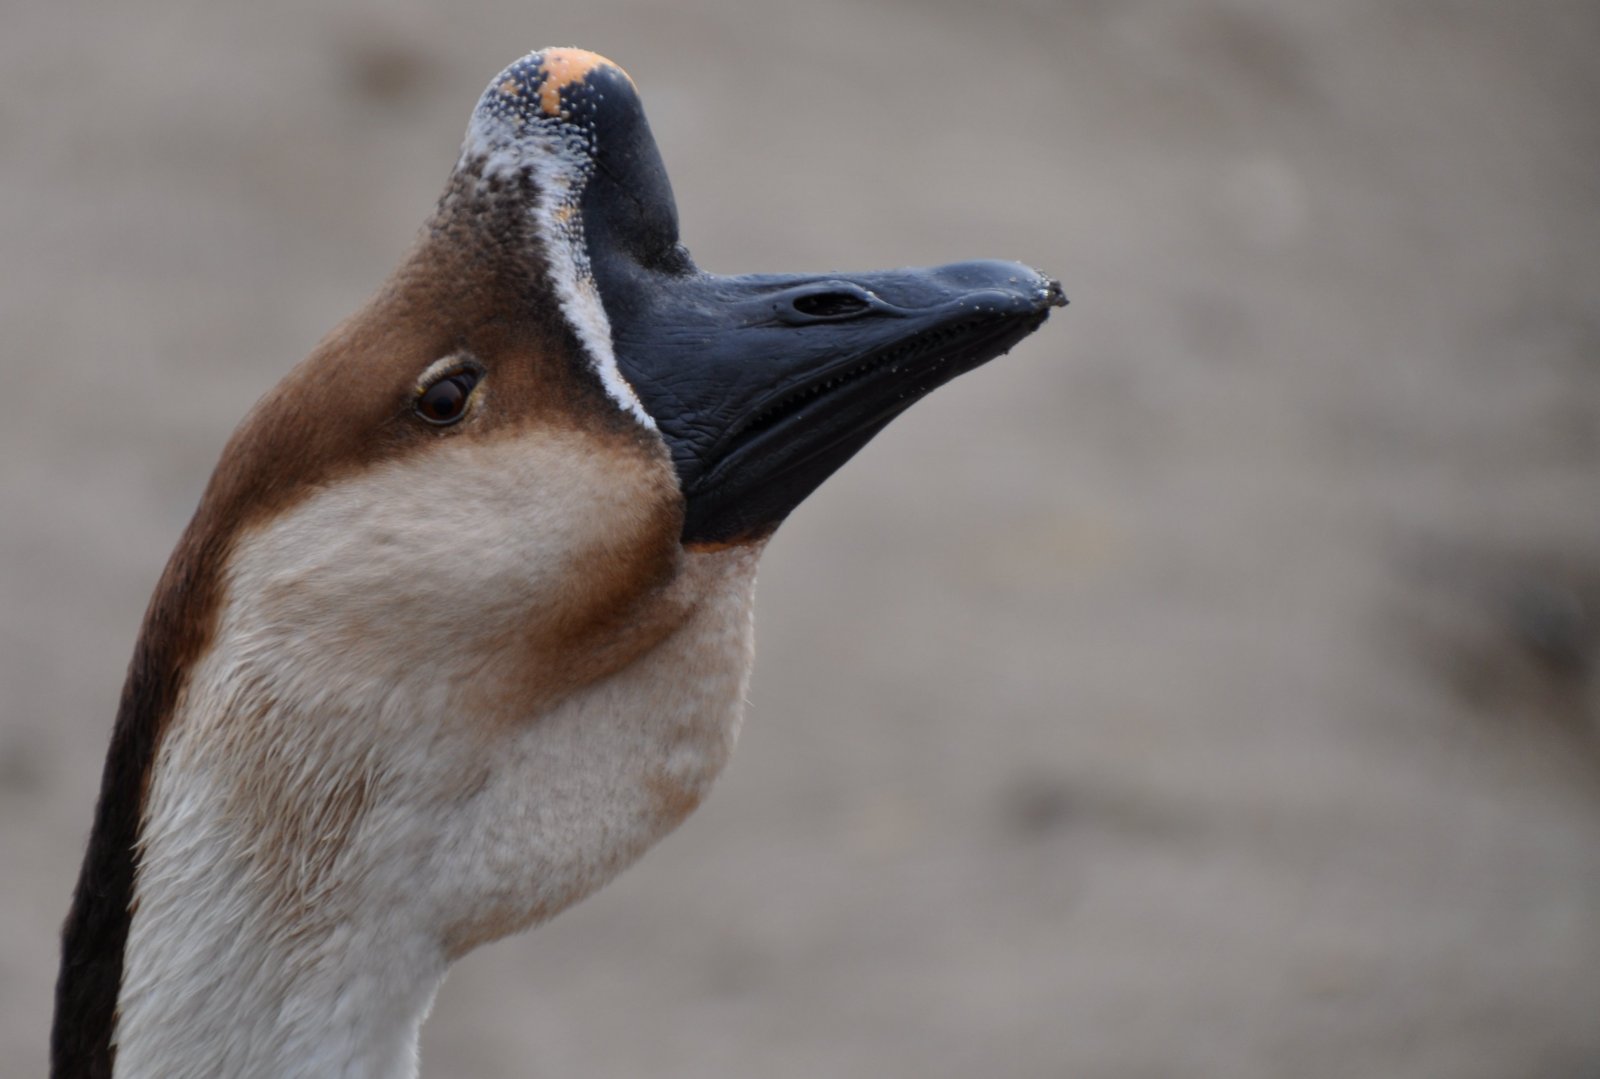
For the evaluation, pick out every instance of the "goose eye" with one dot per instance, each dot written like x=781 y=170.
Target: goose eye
x=445 y=401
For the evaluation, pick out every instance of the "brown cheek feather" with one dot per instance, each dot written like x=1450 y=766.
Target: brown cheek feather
x=672 y=799
x=618 y=598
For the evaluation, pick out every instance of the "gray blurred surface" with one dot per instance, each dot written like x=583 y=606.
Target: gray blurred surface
x=1206 y=689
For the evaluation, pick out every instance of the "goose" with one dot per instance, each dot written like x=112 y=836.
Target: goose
x=462 y=622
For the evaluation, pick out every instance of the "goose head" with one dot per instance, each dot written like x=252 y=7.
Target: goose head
x=462 y=623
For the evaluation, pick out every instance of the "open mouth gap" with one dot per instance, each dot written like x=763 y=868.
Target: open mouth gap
x=908 y=351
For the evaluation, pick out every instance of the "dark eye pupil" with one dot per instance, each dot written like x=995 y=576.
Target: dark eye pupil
x=446 y=400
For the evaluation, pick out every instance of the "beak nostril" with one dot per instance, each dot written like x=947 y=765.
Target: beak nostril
x=830 y=304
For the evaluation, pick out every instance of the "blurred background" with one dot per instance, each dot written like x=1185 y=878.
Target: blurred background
x=1209 y=688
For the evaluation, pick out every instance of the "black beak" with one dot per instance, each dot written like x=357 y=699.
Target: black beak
x=764 y=385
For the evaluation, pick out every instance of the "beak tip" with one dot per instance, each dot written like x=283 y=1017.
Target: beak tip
x=1050 y=293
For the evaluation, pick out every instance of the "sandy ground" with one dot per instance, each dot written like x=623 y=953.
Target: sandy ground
x=1208 y=689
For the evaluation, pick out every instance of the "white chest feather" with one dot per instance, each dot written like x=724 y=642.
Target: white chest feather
x=368 y=775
